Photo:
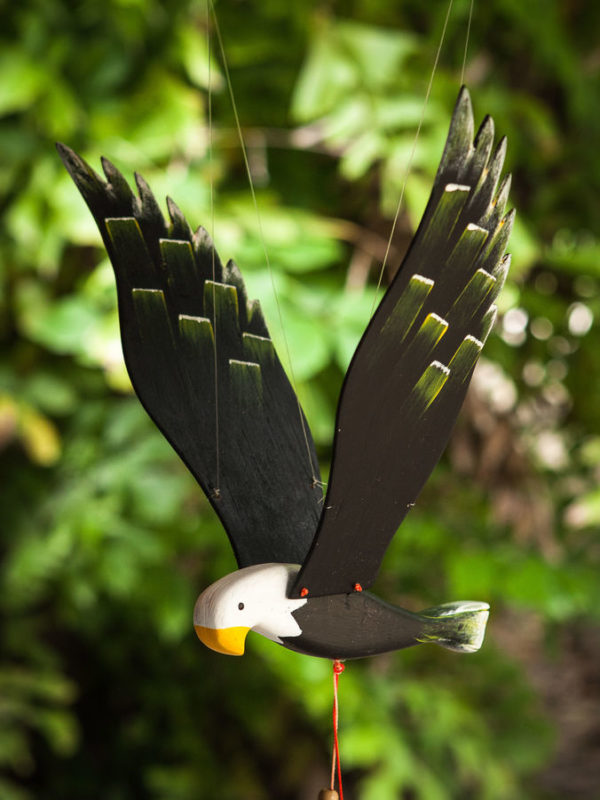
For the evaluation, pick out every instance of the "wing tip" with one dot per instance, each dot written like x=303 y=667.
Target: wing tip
x=486 y=130
x=463 y=104
x=144 y=189
x=85 y=177
x=64 y=151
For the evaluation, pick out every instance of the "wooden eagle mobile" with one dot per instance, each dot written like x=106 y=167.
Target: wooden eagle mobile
x=191 y=338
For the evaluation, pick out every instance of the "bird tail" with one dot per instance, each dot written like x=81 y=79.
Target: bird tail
x=456 y=626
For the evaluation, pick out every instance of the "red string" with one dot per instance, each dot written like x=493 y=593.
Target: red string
x=338 y=668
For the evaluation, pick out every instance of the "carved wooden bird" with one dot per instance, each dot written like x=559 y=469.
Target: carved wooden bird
x=192 y=340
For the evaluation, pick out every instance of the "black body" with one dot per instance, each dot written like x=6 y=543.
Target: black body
x=346 y=626
x=352 y=626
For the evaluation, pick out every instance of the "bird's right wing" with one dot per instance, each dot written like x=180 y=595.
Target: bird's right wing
x=203 y=365
x=411 y=370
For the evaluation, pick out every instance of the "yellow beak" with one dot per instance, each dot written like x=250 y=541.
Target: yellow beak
x=229 y=641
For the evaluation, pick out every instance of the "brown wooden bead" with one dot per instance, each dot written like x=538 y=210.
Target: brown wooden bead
x=328 y=794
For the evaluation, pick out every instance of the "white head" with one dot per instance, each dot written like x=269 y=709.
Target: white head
x=253 y=598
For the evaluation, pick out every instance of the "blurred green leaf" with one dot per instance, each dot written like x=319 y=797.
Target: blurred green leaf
x=22 y=80
x=106 y=539
x=65 y=326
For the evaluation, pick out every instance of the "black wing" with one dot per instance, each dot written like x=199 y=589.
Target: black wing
x=410 y=373
x=174 y=318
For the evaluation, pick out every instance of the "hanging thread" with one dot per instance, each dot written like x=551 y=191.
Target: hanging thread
x=464 y=64
x=217 y=490
x=315 y=480
x=338 y=668
x=411 y=156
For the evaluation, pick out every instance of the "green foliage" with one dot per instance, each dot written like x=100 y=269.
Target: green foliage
x=106 y=540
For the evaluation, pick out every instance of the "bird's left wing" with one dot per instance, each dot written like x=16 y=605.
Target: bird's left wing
x=411 y=370
x=202 y=363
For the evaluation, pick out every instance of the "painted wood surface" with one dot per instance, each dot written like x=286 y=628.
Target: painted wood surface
x=410 y=373
x=339 y=626
x=174 y=317
x=201 y=361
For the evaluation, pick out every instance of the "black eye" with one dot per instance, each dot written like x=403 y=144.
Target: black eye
x=241 y=606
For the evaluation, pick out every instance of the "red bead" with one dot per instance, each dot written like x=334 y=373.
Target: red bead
x=303 y=591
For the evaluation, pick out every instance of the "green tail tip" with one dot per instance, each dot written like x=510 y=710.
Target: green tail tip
x=456 y=626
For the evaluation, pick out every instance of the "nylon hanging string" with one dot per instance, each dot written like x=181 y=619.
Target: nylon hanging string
x=217 y=491
x=464 y=64
x=261 y=234
x=412 y=155
x=338 y=668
